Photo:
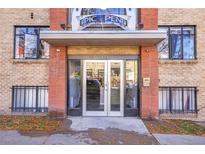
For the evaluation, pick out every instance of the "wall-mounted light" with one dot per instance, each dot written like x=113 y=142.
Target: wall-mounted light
x=63 y=26
x=146 y=50
x=141 y=25
x=58 y=50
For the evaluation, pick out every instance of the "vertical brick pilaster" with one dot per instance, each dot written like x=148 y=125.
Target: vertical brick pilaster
x=58 y=17
x=149 y=68
x=149 y=17
x=57 y=68
x=149 y=95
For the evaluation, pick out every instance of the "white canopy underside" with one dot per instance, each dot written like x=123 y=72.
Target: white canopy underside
x=117 y=38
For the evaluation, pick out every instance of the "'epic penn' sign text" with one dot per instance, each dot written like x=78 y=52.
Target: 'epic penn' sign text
x=103 y=19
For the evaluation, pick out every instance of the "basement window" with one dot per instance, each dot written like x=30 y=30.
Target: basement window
x=28 y=44
x=177 y=100
x=30 y=99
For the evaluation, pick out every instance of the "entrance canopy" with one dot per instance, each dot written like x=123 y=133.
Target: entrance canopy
x=81 y=38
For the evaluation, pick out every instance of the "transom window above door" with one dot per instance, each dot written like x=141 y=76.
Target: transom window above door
x=180 y=43
x=96 y=19
x=90 y=11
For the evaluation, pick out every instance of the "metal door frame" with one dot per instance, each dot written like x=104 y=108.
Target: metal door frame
x=94 y=113
x=121 y=112
x=107 y=90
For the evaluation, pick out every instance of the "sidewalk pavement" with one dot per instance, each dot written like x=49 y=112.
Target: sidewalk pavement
x=175 y=139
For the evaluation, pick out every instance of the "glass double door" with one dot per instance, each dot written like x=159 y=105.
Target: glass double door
x=103 y=88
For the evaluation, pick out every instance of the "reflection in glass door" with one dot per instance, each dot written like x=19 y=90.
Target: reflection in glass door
x=115 y=88
x=103 y=88
x=95 y=88
x=131 y=88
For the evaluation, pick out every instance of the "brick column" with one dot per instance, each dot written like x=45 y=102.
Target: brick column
x=57 y=68
x=149 y=68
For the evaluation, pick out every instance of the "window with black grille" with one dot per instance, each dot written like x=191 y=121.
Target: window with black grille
x=30 y=99
x=177 y=100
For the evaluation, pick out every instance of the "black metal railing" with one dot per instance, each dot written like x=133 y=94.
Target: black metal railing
x=30 y=99
x=177 y=100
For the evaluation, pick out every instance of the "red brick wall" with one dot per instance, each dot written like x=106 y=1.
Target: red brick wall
x=149 y=68
x=149 y=17
x=58 y=17
x=57 y=68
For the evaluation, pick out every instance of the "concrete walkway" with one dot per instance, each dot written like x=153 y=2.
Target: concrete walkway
x=174 y=139
x=87 y=130
x=121 y=123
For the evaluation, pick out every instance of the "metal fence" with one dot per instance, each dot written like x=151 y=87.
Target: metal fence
x=177 y=100
x=30 y=99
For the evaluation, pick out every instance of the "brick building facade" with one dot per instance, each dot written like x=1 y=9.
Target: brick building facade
x=185 y=72
x=71 y=49
x=16 y=71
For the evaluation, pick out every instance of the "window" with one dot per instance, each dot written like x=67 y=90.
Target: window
x=75 y=87
x=179 y=44
x=177 y=100
x=30 y=99
x=131 y=88
x=28 y=44
x=106 y=11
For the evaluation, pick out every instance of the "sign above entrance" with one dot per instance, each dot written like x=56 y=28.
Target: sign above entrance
x=103 y=19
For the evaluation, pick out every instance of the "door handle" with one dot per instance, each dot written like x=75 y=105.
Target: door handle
x=106 y=87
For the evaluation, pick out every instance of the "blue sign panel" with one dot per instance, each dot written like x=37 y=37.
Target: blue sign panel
x=103 y=19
